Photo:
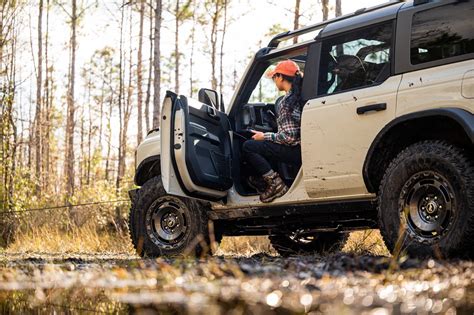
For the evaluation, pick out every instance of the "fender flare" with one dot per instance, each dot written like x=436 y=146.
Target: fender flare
x=462 y=117
x=148 y=168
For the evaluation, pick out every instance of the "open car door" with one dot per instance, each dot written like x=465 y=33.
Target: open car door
x=195 y=149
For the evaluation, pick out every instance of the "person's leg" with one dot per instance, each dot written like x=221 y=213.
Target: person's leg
x=257 y=154
x=262 y=154
x=286 y=160
x=274 y=152
x=257 y=165
x=253 y=153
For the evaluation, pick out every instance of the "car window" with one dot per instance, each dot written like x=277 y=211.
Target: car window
x=266 y=91
x=442 y=32
x=355 y=60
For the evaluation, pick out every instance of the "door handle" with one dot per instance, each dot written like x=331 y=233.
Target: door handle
x=374 y=107
x=211 y=112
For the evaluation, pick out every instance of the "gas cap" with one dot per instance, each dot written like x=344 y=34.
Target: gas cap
x=467 y=89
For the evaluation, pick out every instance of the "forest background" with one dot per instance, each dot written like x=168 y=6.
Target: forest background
x=81 y=83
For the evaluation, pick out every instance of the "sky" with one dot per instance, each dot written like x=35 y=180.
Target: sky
x=252 y=19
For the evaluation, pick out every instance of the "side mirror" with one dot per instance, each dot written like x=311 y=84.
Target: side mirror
x=211 y=98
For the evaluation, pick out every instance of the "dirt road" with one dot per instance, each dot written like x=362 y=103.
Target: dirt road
x=44 y=283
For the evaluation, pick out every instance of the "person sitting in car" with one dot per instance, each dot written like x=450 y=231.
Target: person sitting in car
x=283 y=145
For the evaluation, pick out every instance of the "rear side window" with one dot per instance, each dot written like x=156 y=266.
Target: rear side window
x=356 y=59
x=443 y=32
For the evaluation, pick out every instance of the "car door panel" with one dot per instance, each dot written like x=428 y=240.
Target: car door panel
x=357 y=98
x=199 y=149
x=335 y=137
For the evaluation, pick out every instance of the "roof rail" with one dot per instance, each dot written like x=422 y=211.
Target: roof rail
x=291 y=34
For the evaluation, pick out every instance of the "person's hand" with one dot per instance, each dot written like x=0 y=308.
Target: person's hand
x=257 y=135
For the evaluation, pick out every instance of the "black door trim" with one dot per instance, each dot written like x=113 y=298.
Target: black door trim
x=374 y=107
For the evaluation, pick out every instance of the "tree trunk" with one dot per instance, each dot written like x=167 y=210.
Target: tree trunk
x=39 y=87
x=30 y=137
x=14 y=144
x=296 y=20
x=126 y=112
x=139 y=74
x=89 y=140
x=109 y=141
x=150 y=68
x=69 y=158
x=81 y=152
x=338 y=8
x=128 y=108
x=120 y=104
x=3 y=131
x=101 y=111
x=8 y=130
x=325 y=8
x=221 y=76
x=214 y=30
x=47 y=114
x=191 y=56
x=234 y=76
x=176 y=49
x=102 y=102
x=125 y=115
x=156 y=65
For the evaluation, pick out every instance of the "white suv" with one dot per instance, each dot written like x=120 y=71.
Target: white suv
x=387 y=142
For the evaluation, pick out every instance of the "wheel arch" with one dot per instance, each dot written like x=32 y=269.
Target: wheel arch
x=147 y=169
x=454 y=125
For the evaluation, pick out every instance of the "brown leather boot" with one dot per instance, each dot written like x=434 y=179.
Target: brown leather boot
x=257 y=183
x=275 y=187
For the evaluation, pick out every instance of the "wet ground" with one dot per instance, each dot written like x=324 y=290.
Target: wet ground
x=338 y=284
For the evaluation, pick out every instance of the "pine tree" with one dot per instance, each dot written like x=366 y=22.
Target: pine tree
x=156 y=65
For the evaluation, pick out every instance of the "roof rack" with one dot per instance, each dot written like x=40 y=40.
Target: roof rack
x=291 y=34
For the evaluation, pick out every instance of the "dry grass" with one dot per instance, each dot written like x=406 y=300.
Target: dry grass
x=84 y=239
x=88 y=238
x=245 y=246
x=366 y=242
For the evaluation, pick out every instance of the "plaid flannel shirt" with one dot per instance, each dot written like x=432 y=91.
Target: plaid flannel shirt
x=289 y=126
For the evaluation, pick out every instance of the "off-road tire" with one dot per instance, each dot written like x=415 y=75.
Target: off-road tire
x=193 y=241
x=322 y=243
x=442 y=165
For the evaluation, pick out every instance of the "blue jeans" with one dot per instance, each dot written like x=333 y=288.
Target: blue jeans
x=259 y=154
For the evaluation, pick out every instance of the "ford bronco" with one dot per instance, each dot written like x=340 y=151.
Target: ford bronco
x=387 y=137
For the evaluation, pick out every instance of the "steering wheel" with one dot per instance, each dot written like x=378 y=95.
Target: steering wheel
x=350 y=62
x=351 y=70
